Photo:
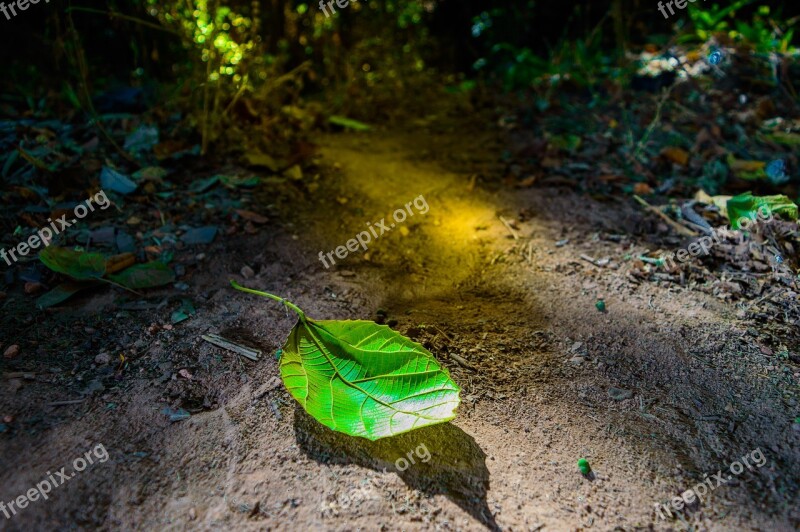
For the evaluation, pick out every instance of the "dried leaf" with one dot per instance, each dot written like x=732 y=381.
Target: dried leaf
x=676 y=155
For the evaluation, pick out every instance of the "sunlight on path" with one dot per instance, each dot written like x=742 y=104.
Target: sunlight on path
x=441 y=248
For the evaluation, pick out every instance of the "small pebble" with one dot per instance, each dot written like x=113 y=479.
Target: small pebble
x=12 y=351
x=32 y=288
x=247 y=272
x=102 y=359
x=776 y=171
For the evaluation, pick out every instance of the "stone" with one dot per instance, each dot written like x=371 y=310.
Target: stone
x=619 y=394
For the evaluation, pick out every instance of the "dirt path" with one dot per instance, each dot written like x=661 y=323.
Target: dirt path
x=659 y=390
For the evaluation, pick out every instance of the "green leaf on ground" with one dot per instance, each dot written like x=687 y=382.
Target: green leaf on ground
x=787 y=139
x=364 y=379
x=568 y=143
x=182 y=314
x=348 y=123
x=77 y=264
x=235 y=181
x=61 y=293
x=746 y=206
x=148 y=275
x=263 y=160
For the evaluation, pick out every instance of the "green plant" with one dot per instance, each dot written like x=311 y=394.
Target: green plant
x=764 y=31
x=708 y=20
x=361 y=378
x=746 y=206
x=764 y=34
x=225 y=42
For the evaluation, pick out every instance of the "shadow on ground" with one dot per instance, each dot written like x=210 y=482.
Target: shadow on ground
x=456 y=467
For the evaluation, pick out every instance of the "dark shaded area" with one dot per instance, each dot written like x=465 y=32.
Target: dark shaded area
x=456 y=466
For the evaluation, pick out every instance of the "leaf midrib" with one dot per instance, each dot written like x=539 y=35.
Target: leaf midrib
x=309 y=323
x=420 y=352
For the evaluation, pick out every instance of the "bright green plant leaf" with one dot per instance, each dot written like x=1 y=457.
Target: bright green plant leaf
x=77 y=264
x=148 y=275
x=348 y=123
x=747 y=206
x=362 y=378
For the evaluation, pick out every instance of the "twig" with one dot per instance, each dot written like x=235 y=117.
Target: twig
x=461 y=361
x=656 y=119
x=124 y=17
x=65 y=403
x=508 y=226
x=19 y=375
x=80 y=61
x=587 y=258
x=447 y=336
x=204 y=139
x=109 y=281
x=672 y=223
x=219 y=341
x=237 y=95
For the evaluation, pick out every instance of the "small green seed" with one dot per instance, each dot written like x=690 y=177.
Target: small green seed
x=601 y=305
x=584 y=467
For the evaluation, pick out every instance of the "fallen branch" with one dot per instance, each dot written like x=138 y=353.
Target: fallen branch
x=219 y=341
x=672 y=223
x=64 y=403
x=510 y=229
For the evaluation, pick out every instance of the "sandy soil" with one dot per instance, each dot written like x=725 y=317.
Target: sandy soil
x=666 y=386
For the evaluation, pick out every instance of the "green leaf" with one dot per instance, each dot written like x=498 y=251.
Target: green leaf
x=747 y=206
x=787 y=139
x=263 y=160
x=147 y=275
x=182 y=314
x=234 y=181
x=77 y=264
x=364 y=379
x=61 y=293
x=348 y=123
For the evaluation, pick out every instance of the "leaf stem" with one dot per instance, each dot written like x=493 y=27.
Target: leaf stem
x=295 y=308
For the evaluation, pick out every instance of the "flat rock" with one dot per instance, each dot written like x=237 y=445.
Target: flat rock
x=618 y=394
